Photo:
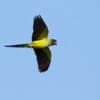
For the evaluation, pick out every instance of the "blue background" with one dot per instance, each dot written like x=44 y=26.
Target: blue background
x=74 y=73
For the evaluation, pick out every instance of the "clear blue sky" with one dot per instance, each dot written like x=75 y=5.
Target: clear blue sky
x=74 y=73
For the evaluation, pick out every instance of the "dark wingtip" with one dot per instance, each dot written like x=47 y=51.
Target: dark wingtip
x=43 y=68
x=42 y=71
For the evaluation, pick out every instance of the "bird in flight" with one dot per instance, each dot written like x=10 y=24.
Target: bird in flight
x=40 y=43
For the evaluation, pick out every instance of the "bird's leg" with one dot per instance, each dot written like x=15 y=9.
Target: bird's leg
x=30 y=45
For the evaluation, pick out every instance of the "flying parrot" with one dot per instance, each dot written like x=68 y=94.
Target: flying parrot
x=40 y=43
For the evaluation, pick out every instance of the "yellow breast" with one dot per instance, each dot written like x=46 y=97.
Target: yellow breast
x=40 y=43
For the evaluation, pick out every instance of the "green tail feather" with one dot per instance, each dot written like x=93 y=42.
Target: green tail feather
x=18 y=45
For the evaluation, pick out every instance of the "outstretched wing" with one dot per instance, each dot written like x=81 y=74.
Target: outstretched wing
x=40 y=29
x=43 y=58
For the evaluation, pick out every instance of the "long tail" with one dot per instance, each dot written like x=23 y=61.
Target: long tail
x=18 y=45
